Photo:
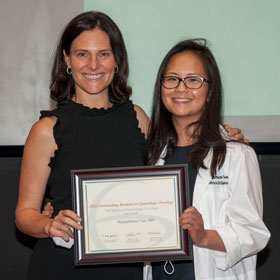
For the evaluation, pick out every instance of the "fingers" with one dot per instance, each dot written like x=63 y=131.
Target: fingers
x=238 y=136
x=48 y=210
x=189 y=218
x=62 y=231
x=61 y=224
x=236 y=133
x=49 y=207
x=69 y=217
x=192 y=221
x=227 y=128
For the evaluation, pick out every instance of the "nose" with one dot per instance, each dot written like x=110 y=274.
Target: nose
x=181 y=87
x=93 y=62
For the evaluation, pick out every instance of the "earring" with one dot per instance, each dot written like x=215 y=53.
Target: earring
x=68 y=70
x=117 y=69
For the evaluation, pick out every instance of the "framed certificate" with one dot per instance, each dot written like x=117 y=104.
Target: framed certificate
x=131 y=214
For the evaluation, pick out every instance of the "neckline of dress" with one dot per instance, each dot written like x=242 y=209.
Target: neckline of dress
x=73 y=106
x=185 y=147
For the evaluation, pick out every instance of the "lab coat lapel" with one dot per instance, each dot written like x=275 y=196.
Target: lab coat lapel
x=203 y=179
x=161 y=159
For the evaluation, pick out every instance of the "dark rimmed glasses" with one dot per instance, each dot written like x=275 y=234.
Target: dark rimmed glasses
x=191 y=82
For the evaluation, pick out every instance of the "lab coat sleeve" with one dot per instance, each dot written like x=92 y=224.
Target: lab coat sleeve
x=244 y=233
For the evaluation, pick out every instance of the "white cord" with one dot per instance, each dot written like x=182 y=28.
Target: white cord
x=165 y=268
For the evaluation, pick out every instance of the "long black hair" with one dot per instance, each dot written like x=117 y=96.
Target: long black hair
x=62 y=84
x=207 y=133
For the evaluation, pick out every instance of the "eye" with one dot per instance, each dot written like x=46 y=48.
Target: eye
x=171 y=79
x=104 y=54
x=82 y=54
x=194 y=80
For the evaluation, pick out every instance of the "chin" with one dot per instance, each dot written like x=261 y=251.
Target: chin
x=96 y=91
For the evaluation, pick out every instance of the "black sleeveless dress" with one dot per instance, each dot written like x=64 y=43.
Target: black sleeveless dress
x=86 y=138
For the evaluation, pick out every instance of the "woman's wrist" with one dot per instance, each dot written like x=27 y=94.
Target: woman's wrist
x=204 y=240
x=212 y=240
x=47 y=226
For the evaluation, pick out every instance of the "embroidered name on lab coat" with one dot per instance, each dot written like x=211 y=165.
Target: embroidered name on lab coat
x=219 y=180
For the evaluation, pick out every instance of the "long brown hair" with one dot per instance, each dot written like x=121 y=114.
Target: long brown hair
x=62 y=84
x=207 y=129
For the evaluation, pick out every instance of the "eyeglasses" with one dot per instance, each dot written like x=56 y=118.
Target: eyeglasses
x=192 y=82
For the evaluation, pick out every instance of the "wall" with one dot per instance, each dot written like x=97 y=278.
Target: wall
x=242 y=35
x=29 y=30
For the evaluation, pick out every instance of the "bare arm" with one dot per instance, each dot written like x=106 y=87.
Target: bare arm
x=39 y=148
x=192 y=220
x=142 y=119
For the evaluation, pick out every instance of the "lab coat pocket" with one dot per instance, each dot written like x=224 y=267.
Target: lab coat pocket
x=218 y=200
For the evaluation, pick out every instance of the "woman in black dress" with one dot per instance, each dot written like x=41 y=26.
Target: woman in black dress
x=94 y=126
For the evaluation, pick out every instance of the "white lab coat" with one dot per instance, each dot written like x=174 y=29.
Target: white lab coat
x=231 y=204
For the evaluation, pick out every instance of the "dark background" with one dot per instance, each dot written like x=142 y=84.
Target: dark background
x=16 y=247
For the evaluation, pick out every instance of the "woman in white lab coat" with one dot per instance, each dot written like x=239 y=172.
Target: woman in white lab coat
x=225 y=219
